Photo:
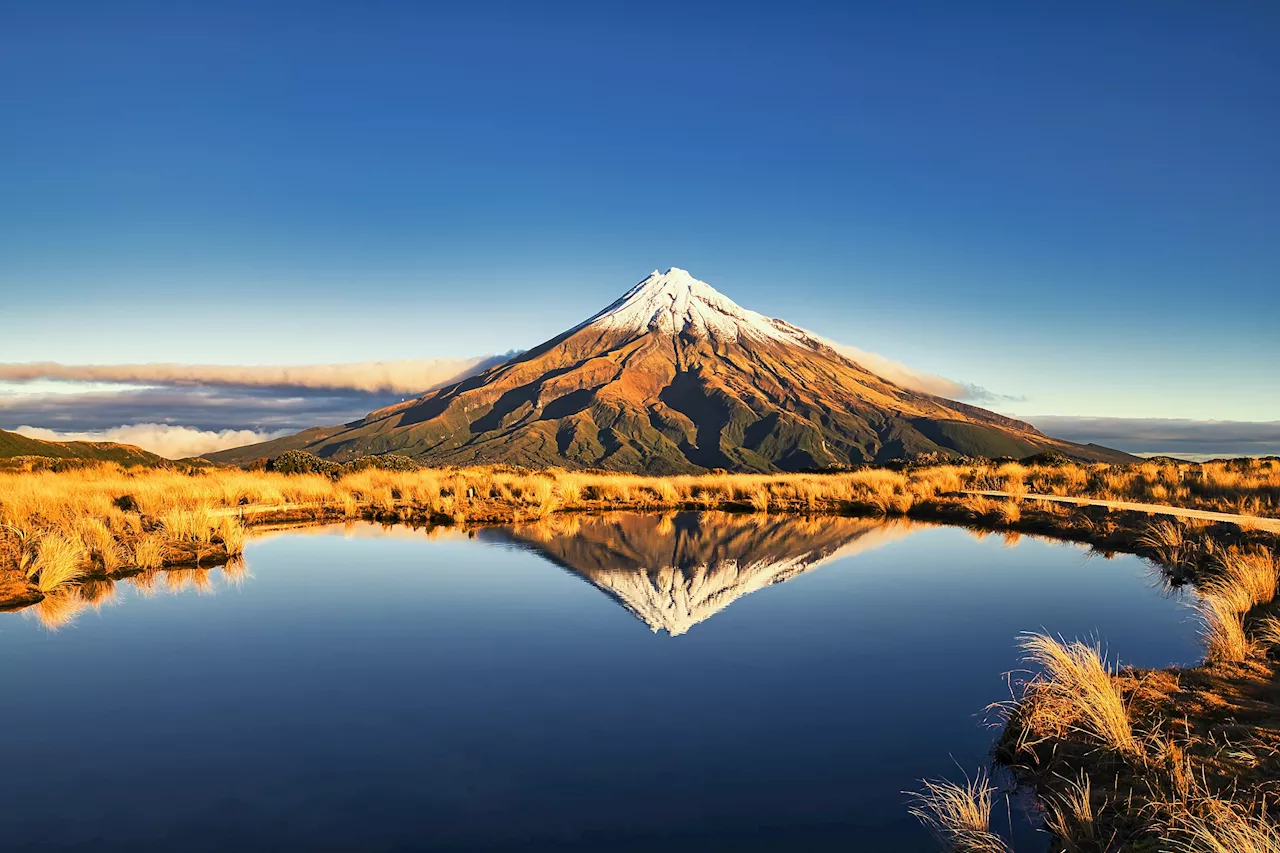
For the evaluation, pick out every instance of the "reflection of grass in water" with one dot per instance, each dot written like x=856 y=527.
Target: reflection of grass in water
x=97 y=591
x=180 y=580
x=147 y=583
x=235 y=571
x=58 y=609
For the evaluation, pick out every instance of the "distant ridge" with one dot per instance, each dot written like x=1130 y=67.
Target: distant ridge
x=674 y=377
x=13 y=445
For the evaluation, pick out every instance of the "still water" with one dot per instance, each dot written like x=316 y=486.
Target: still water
x=626 y=682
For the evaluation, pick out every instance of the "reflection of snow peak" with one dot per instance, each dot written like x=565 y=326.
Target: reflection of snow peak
x=674 y=600
x=676 y=302
x=673 y=575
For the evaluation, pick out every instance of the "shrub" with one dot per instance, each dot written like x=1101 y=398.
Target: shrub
x=302 y=462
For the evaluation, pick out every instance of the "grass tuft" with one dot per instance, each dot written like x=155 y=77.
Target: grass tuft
x=1075 y=691
x=959 y=815
x=58 y=561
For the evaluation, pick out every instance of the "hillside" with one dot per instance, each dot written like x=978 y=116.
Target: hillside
x=676 y=378
x=13 y=445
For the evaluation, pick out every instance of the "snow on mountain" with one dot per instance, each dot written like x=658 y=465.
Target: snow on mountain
x=675 y=302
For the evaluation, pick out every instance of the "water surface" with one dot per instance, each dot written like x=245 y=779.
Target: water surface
x=625 y=682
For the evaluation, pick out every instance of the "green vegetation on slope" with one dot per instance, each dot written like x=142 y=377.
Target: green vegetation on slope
x=13 y=446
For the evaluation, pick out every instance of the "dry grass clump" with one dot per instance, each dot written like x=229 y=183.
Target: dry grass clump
x=59 y=560
x=960 y=815
x=1169 y=541
x=1075 y=691
x=1245 y=578
x=100 y=542
x=1222 y=826
x=1222 y=628
x=1071 y=817
x=149 y=552
x=1268 y=631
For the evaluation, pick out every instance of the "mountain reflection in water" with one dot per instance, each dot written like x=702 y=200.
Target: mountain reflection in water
x=385 y=688
x=673 y=571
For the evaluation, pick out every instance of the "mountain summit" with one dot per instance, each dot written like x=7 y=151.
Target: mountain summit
x=675 y=377
x=675 y=302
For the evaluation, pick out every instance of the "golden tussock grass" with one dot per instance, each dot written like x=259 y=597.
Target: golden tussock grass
x=59 y=560
x=1168 y=540
x=1222 y=628
x=147 y=517
x=1071 y=817
x=1214 y=825
x=1245 y=579
x=1075 y=691
x=959 y=815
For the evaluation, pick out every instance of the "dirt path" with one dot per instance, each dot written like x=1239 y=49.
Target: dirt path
x=1268 y=524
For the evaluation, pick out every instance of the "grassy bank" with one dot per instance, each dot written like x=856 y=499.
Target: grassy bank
x=57 y=528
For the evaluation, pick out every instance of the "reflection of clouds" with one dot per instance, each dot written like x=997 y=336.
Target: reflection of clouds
x=1178 y=437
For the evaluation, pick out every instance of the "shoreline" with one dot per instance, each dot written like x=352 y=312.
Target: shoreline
x=1103 y=528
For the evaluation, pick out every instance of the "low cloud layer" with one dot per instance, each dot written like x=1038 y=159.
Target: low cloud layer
x=1188 y=439
x=407 y=376
x=217 y=409
x=169 y=441
x=915 y=380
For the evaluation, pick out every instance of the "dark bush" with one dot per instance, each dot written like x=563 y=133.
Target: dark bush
x=386 y=462
x=1047 y=458
x=302 y=462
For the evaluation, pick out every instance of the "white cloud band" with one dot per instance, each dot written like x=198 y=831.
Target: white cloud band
x=167 y=440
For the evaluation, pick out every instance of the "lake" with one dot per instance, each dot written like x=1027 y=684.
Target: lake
x=622 y=682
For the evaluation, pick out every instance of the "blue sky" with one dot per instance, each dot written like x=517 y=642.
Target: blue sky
x=1075 y=206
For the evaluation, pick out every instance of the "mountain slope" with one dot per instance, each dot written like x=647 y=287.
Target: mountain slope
x=13 y=445
x=674 y=377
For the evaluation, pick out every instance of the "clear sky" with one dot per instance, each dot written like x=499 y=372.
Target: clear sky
x=1077 y=205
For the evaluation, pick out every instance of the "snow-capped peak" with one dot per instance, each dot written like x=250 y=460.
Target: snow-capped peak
x=676 y=302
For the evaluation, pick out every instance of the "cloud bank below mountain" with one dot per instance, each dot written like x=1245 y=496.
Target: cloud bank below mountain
x=1184 y=438
x=406 y=376
x=167 y=440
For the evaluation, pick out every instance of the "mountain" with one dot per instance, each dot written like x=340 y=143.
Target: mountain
x=674 y=377
x=13 y=445
x=673 y=571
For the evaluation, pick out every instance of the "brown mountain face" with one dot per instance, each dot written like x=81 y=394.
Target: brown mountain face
x=676 y=378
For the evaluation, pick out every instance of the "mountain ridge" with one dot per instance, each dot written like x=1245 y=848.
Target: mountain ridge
x=674 y=377
x=15 y=445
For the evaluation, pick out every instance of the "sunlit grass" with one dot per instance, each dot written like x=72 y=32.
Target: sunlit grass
x=959 y=815
x=1075 y=691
